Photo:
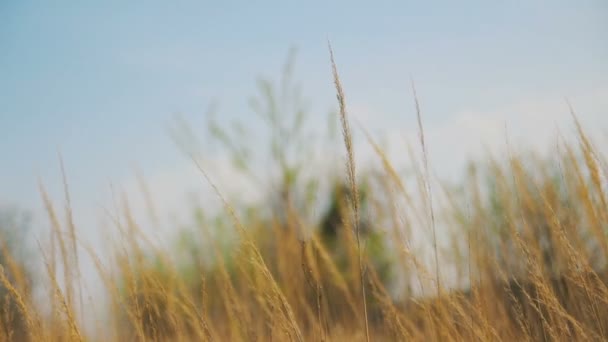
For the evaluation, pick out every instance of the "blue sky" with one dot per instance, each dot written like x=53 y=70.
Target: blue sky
x=101 y=83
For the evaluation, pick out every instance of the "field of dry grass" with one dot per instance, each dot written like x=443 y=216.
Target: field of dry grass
x=516 y=252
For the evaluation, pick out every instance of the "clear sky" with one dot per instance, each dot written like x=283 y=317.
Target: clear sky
x=100 y=83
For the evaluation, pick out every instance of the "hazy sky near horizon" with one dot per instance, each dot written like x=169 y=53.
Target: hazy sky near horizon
x=100 y=83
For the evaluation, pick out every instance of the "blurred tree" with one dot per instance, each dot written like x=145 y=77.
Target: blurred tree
x=285 y=146
x=293 y=142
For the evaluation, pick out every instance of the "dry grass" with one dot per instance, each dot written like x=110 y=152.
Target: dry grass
x=525 y=261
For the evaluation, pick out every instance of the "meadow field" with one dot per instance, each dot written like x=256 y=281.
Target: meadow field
x=514 y=251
